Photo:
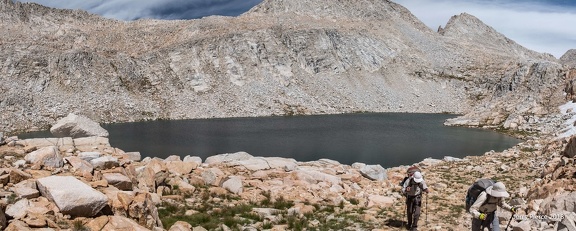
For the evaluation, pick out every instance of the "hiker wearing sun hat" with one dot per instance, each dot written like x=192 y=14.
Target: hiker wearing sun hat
x=484 y=208
x=412 y=189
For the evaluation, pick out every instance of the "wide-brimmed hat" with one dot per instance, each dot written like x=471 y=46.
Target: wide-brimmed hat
x=497 y=190
x=417 y=176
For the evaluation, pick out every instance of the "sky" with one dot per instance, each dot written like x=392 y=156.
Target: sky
x=545 y=26
x=541 y=25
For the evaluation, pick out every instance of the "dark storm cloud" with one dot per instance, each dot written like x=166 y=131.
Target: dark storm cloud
x=155 y=9
x=185 y=9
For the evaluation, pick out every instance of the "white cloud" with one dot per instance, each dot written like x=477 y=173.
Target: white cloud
x=535 y=25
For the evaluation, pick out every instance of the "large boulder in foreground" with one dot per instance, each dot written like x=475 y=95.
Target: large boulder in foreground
x=77 y=126
x=72 y=196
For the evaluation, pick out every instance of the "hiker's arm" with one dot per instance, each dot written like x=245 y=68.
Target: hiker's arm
x=405 y=185
x=479 y=201
x=505 y=205
x=423 y=186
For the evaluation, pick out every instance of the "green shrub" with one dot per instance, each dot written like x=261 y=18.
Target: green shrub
x=354 y=201
x=79 y=226
x=267 y=225
x=295 y=223
x=282 y=203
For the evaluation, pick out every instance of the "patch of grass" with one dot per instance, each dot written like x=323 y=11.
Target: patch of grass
x=63 y=224
x=339 y=223
x=437 y=198
x=267 y=201
x=457 y=210
x=205 y=196
x=353 y=218
x=360 y=210
x=199 y=185
x=231 y=211
x=233 y=221
x=167 y=210
x=251 y=216
x=317 y=207
x=282 y=203
x=12 y=198
x=208 y=217
x=211 y=214
x=515 y=133
x=528 y=149
x=267 y=225
x=327 y=208
x=79 y=226
x=295 y=223
x=354 y=201
x=203 y=219
x=390 y=211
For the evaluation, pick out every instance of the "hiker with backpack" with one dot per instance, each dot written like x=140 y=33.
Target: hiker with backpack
x=413 y=188
x=483 y=198
x=411 y=170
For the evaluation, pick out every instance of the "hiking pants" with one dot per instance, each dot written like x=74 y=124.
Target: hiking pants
x=491 y=222
x=413 y=204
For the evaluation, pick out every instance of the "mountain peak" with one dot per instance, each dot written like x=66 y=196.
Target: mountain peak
x=471 y=31
x=366 y=9
x=466 y=24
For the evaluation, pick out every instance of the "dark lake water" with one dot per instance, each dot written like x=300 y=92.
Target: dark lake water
x=388 y=139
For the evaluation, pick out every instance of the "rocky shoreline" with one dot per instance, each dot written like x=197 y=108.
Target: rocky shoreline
x=112 y=189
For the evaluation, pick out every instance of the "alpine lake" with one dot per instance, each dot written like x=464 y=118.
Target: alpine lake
x=388 y=139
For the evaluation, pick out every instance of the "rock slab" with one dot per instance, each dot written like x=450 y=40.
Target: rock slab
x=72 y=196
x=374 y=172
x=77 y=126
x=47 y=156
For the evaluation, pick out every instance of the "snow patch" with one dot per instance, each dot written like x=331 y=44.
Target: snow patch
x=568 y=109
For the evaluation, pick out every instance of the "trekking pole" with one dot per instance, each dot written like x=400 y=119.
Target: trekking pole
x=426 y=208
x=506 y=229
x=404 y=213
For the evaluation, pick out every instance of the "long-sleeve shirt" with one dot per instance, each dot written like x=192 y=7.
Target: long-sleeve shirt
x=490 y=206
x=415 y=188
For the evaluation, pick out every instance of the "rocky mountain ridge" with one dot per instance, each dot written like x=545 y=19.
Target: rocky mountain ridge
x=313 y=59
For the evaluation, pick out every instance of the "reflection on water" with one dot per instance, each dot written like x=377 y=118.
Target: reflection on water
x=388 y=139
